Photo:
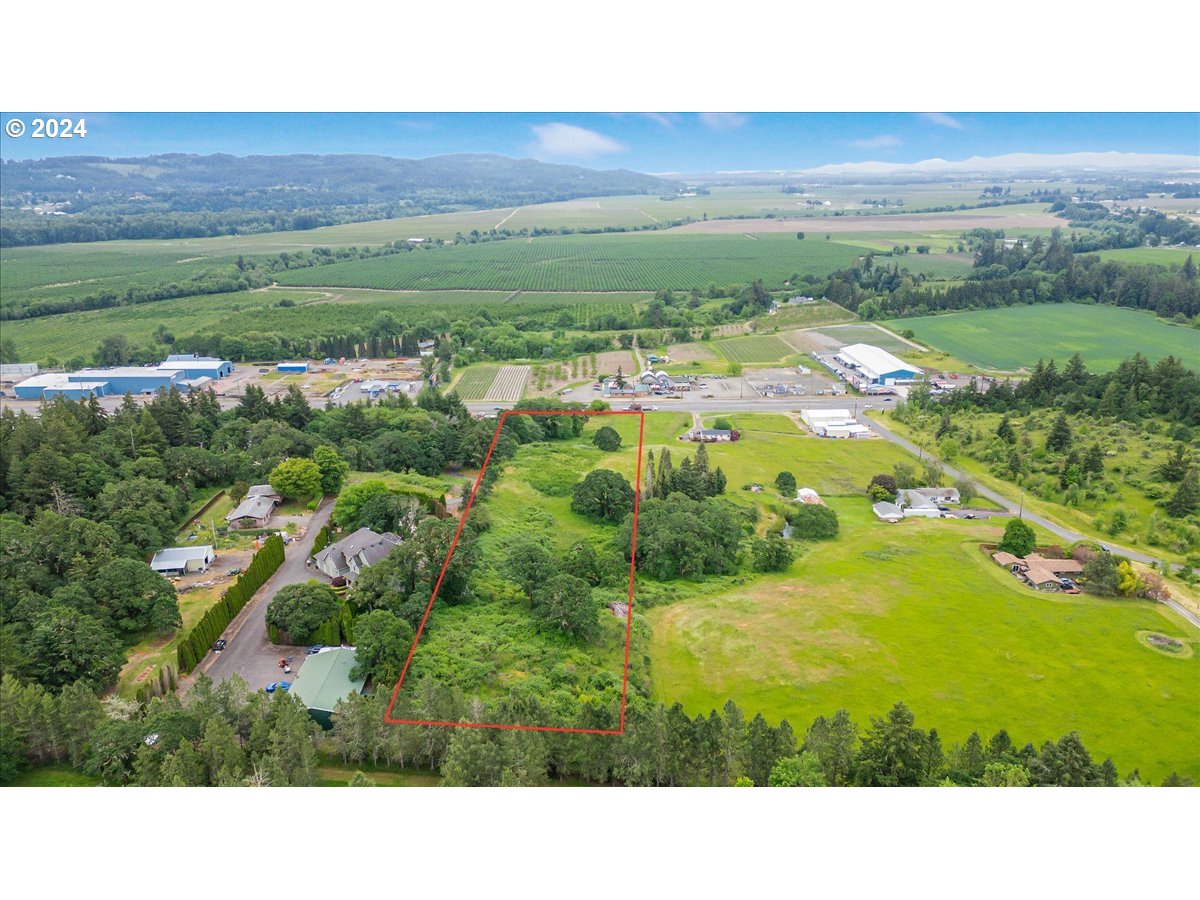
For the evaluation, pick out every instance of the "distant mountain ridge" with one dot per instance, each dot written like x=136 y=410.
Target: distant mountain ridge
x=350 y=177
x=180 y=195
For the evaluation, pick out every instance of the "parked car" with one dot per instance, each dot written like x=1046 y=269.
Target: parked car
x=706 y=396
x=278 y=685
x=315 y=648
x=219 y=645
x=943 y=509
x=970 y=516
x=236 y=570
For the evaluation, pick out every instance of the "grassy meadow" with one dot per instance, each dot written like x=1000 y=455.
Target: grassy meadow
x=915 y=612
x=1015 y=337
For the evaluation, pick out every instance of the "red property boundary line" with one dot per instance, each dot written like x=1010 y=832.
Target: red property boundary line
x=387 y=716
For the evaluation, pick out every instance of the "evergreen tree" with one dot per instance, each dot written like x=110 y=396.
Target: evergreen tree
x=1059 y=439
x=1186 y=500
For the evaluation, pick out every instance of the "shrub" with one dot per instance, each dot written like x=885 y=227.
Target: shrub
x=607 y=439
x=811 y=522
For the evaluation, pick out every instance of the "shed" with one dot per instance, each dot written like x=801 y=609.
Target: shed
x=292 y=367
x=183 y=560
x=888 y=512
x=324 y=679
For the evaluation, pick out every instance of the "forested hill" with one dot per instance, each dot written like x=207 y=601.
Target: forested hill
x=186 y=195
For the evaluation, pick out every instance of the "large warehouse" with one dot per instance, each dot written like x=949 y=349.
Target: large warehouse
x=184 y=373
x=876 y=365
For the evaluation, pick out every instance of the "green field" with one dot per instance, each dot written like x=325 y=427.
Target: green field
x=316 y=314
x=868 y=334
x=755 y=349
x=1016 y=337
x=916 y=612
x=606 y=262
x=474 y=381
x=1158 y=256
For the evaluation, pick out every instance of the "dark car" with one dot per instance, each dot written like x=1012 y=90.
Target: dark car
x=315 y=648
x=219 y=645
x=943 y=509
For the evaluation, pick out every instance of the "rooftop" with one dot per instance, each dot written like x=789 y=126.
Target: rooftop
x=324 y=679
x=875 y=359
x=171 y=557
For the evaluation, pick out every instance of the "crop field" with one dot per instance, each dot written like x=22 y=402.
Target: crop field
x=1103 y=335
x=475 y=381
x=866 y=333
x=607 y=262
x=806 y=315
x=871 y=618
x=508 y=384
x=755 y=349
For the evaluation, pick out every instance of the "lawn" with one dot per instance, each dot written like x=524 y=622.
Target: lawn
x=916 y=612
x=53 y=776
x=1016 y=337
x=339 y=775
x=773 y=443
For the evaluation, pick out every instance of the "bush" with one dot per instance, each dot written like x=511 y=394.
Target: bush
x=785 y=483
x=607 y=439
x=812 y=522
x=771 y=554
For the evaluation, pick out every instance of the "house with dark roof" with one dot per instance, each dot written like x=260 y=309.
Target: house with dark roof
x=355 y=552
x=255 y=509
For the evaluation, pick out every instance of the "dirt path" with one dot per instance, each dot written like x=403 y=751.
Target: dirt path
x=506 y=218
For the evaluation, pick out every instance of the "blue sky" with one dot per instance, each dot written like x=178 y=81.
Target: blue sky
x=648 y=142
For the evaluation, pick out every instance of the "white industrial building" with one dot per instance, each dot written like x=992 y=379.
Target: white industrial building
x=874 y=365
x=834 y=423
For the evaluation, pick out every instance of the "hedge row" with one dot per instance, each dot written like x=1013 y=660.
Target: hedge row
x=321 y=541
x=197 y=641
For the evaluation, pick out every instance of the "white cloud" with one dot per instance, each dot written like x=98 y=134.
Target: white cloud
x=666 y=120
x=944 y=120
x=880 y=140
x=723 y=121
x=559 y=139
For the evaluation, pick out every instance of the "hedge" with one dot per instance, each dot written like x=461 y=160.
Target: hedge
x=196 y=643
x=321 y=541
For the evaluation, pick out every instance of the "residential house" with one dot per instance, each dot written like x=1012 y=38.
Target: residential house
x=712 y=435
x=355 y=552
x=1040 y=572
x=183 y=560
x=324 y=679
x=256 y=508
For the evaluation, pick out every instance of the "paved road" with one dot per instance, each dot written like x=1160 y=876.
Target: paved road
x=1065 y=533
x=249 y=653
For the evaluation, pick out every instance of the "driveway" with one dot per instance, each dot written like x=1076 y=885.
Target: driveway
x=248 y=652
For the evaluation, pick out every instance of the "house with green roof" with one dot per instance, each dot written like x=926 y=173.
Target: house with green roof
x=324 y=679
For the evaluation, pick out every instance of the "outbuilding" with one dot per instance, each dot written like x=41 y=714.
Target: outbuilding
x=324 y=680
x=293 y=367
x=183 y=560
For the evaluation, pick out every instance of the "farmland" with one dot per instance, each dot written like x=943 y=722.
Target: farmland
x=475 y=381
x=1000 y=339
x=867 y=334
x=755 y=349
x=609 y=262
x=870 y=618
x=509 y=383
